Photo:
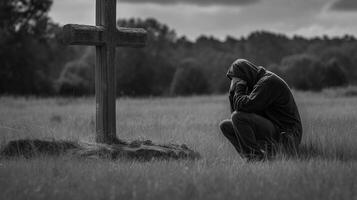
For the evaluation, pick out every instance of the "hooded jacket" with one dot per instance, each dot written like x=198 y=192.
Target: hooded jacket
x=265 y=94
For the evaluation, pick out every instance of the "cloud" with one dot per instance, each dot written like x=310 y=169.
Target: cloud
x=319 y=29
x=195 y=2
x=303 y=17
x=221 y=20
x=67 y=12
x=345 y=5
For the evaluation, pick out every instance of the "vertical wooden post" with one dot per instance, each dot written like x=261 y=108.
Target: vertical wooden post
x=105 y=73
x=105 y=36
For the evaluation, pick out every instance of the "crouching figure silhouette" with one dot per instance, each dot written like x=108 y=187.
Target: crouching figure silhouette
x=264 y=113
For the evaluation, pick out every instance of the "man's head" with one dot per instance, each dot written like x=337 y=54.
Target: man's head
x=242 y=69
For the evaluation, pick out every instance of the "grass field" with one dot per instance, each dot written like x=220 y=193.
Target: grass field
x=326 y=169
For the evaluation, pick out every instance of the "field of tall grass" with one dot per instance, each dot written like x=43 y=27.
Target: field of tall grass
x=326 y=167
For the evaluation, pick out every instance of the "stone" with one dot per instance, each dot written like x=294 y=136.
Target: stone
x=135 y=150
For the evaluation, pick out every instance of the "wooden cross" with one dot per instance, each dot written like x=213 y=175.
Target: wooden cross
x=106 y=37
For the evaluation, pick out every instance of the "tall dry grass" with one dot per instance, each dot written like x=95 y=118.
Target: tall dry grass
x=324 y=169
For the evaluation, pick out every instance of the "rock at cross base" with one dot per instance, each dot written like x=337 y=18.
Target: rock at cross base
x=136 y=150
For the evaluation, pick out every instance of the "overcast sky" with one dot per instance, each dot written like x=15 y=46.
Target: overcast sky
x=227 y=17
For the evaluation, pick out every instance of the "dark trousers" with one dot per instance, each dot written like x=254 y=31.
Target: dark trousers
x=250 y=133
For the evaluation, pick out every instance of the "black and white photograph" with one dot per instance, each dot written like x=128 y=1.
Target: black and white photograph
x=178 y=99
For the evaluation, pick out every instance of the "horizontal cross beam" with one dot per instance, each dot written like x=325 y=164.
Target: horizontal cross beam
x=74 y=34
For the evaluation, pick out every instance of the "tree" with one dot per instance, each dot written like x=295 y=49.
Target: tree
x=303 y=72
x=276 y=69
x=147 y=71
x=134 y=74
x=340 y=57
x=77 y=77
x=23 y=31
x=188 y=80
x=334 y=75
x=25 y=17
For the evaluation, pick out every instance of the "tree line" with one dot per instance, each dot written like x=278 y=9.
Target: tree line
x=32 y=61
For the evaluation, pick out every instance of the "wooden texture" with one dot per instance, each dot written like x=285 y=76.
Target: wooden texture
x=75 y=34
x=130 y=37
x=106 y=37
x=105 y=73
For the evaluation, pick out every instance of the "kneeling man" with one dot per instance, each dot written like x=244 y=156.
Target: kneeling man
x=264 y=112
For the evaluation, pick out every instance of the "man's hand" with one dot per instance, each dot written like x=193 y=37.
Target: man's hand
x=236 y=81
x=232 y=91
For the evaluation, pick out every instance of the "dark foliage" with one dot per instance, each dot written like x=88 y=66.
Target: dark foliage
x=334 y=75
x=33 y=62
x=30 y=58
x=76 y=79
x=303 y=72
x=189 y=80
x=307 y=72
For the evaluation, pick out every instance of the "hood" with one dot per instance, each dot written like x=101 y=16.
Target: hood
x=246 y=71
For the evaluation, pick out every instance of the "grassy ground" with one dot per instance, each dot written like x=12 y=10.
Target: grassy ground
x=327 y=169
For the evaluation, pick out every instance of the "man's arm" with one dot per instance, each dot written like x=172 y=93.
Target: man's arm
x=235 y=81
x=231 y=101
x=258 y=100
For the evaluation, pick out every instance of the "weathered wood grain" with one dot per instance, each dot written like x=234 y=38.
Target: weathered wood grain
x=106 y=37
x=130 y=37
x=105 y=85
x=76 y=34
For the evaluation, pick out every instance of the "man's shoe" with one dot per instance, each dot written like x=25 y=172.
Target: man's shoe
x=258 y=156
